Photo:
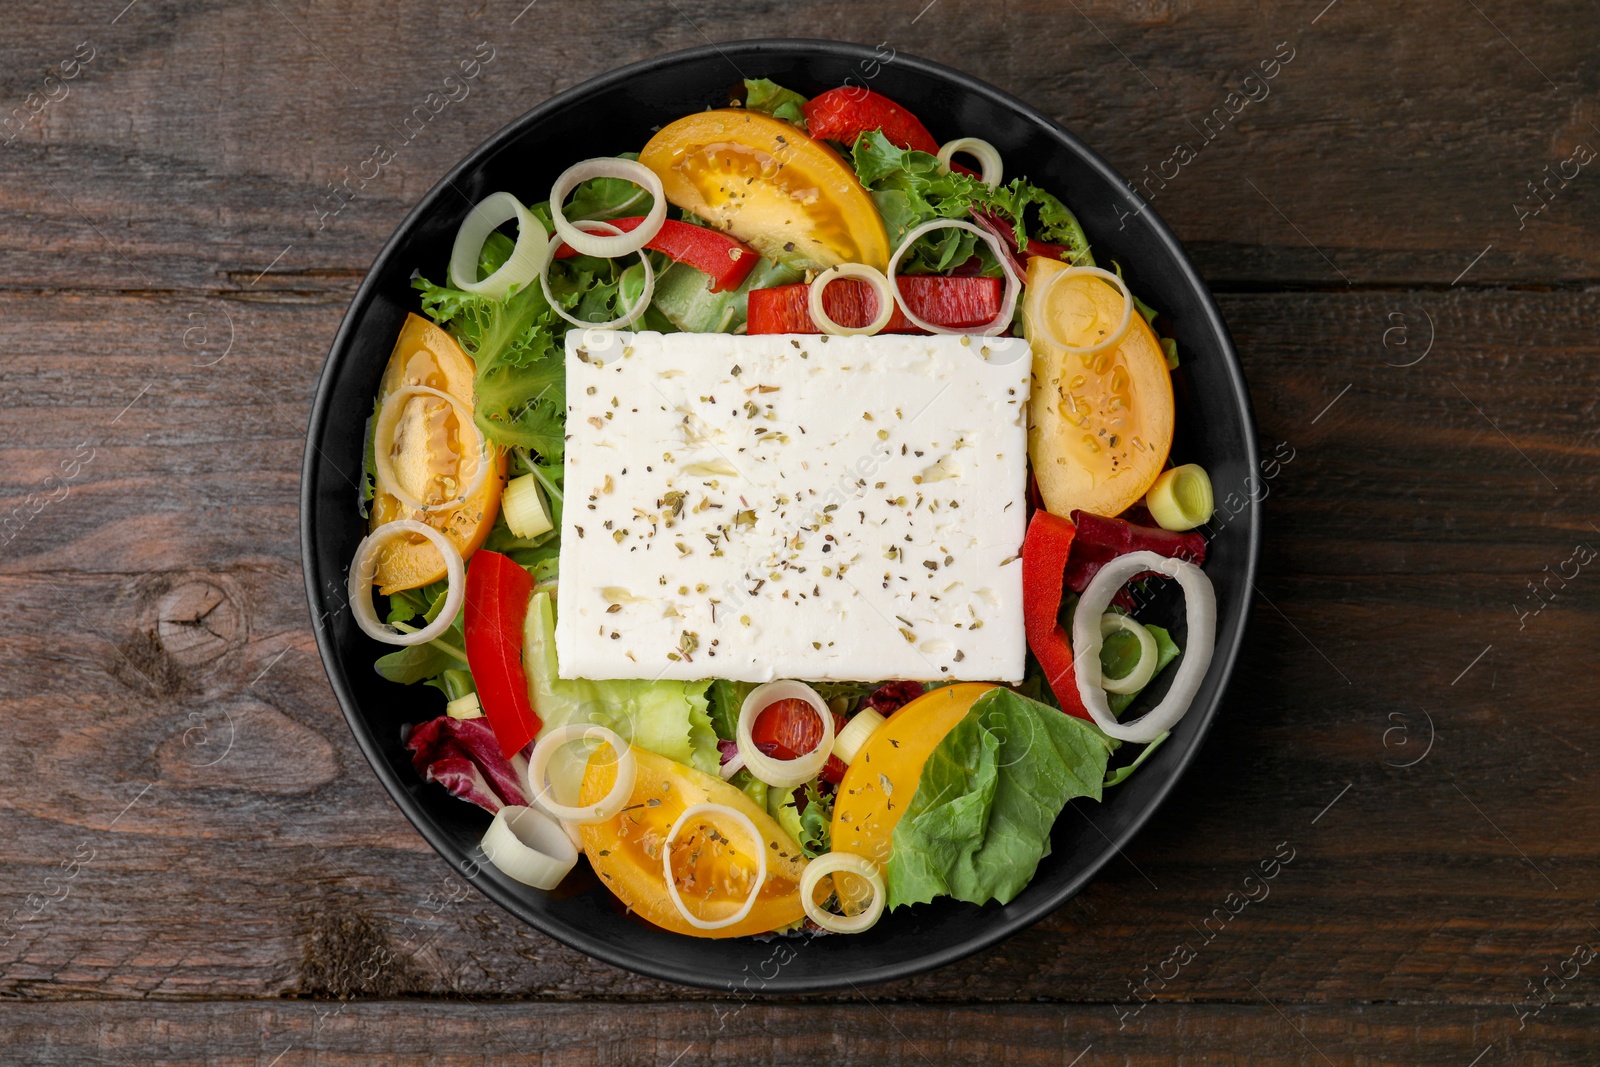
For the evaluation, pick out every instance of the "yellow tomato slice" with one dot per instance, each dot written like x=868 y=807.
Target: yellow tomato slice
x=771 y=186
x=1099 y=425
x=884 y=775
x=430 y=430
x=714 y=874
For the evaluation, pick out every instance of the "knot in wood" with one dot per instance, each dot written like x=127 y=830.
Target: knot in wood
x=198 y=621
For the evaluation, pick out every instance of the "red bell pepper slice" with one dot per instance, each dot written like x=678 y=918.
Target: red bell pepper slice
x=844 y=114
x=1045 y=550
x=498 y=591
x=956 y=303
x=728 y=261
x=1101 y=540
x=788 y=729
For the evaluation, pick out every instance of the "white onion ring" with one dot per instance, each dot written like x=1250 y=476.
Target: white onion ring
x=526 y=258
x=629 y=170
x=834 y=863
x=757 y=842
x=383 y=445
x=1200 y=602
x=1144 y=669
x=987 y=155
x=539 y=790
x=528 y=845
x=847 y=746
x=519 y=768
x=623 y=321
x=783 y=773
x=1008 y=306
x=1116 y=336
x=732 y=767
x=873 y=277
x=363 y=568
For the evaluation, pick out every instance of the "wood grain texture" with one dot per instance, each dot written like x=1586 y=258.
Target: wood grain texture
x=200 y=143
x=187 y=822
x=864 y=1033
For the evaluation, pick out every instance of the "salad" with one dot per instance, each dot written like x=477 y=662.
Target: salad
x=780 y=512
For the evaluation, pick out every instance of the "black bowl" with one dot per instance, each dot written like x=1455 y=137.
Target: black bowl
x=616 y=112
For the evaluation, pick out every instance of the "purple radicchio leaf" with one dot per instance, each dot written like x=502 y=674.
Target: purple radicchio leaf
x=463 y=756
x=890 y=698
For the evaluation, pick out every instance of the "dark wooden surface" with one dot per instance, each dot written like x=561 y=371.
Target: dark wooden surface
x=199 y=867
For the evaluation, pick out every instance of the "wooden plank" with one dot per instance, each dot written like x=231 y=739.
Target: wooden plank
x=1383 y=150
x=862 y=1032
x=156 y=612
x=200 y=867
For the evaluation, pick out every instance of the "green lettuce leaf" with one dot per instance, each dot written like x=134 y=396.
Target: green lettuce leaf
x=980 y=819
x=684 y=298
x=752 y=787
x=816 y=822
x=812 y=829
x=432 y=661
x=726 y=700
x=414 y=663
x=1121 y=774
x=909 y=190
x=773 y=99
x=1056 y=224
x=519 y=389
x=518 y=343
x=665 y=717
x=369 y=464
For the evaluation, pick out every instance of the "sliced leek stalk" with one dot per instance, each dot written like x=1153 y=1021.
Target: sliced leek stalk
x=873 y=277
x=855 y=733
x=530 y=252
x=1144 y=670
x=1200 y=613
x=542 y=795
x=837 y=863
x=741 y=820
x=364 y=569
x=467 y=707
x=530 y=846
x=523 y=505
x=987 y=155
x=1181 y=498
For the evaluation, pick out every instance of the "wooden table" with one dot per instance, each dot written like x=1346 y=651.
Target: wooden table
x=198 y=865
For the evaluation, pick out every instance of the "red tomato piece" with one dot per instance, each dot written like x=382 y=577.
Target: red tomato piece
x=788 y=729
x=844 y=114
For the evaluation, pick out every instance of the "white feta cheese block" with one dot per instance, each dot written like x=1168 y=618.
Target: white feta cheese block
x=813 y=507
